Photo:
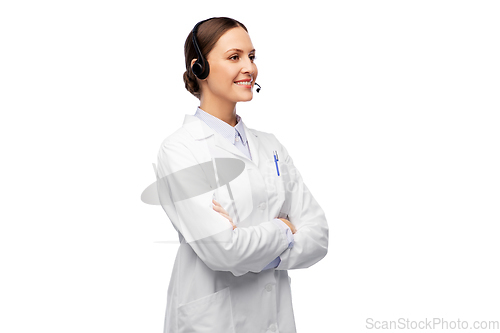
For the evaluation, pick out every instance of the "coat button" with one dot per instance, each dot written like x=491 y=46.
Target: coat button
x=269 y=287
x=262 y=206
x=272 y=328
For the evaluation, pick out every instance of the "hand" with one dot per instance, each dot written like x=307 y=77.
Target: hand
x=218 y=208
x=289 y=224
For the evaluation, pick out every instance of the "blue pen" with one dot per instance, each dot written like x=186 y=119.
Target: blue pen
x=276 y=161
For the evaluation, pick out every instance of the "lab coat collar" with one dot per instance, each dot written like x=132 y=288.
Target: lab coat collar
x=227 y=131
x=201 y=131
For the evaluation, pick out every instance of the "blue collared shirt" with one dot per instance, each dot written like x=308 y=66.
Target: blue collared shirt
x=237 y=136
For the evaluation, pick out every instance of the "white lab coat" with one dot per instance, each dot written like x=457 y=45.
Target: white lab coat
x=217 y=283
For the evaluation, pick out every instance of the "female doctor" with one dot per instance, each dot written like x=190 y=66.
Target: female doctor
x=242 y=211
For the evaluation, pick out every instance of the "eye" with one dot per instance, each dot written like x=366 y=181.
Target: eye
x=252 y=57
x=234 y=57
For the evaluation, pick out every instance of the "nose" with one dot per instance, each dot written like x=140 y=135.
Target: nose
x=248 y=66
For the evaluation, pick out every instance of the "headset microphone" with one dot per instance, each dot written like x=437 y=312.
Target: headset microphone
x=258 y=89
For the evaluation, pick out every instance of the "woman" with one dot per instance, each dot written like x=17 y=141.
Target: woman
x=243 y=214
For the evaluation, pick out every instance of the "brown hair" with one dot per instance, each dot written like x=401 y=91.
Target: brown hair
x=207 y=35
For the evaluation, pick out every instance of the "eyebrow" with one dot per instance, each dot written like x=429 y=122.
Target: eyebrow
x=238 y=50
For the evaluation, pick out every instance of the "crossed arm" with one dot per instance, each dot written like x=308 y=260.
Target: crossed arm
x=273 y=264
x=218 y=208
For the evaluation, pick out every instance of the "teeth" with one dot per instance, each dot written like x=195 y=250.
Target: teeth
x=245 y=83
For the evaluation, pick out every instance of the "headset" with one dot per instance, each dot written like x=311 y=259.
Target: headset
x=201 y=68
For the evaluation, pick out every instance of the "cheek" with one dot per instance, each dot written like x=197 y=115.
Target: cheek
x=219 y=80
x=227 y=76
x=218 y=71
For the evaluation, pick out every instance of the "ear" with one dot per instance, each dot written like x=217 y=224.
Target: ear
x=193 y=61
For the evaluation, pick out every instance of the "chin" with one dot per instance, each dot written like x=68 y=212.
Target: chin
x=247 y=98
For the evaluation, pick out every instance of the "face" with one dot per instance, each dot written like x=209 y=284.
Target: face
x=232 y=68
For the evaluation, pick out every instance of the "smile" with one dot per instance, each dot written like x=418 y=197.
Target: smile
x=244 y=84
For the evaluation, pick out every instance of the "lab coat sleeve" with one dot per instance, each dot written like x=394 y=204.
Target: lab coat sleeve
x=311 y=237
x=209 y=234
x=288 y=232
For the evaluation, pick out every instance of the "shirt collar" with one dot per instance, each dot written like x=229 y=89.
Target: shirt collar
x=223 y=128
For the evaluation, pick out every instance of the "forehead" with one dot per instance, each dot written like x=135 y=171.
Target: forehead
x=235 y=38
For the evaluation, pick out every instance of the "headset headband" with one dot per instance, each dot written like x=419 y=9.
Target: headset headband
x=200 y=68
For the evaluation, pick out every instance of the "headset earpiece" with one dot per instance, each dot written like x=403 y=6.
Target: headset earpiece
x=198 y=70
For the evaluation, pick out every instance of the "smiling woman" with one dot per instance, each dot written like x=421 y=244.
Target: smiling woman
x=232 y=72
x=241 y=234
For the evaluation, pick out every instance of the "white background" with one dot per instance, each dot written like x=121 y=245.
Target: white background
x=390 y=110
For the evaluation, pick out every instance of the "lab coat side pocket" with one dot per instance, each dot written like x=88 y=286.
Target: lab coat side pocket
x=212 y=313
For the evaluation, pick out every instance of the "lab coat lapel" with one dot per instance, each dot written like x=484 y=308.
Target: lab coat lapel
x=253 y=144
x=222 y=142
x=220 y=147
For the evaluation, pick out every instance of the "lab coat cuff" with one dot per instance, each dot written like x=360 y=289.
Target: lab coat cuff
x=286 y=229
x=273 y=264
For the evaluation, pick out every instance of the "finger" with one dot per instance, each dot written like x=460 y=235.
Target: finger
x=220 y=210
x=227 y=217
x=216 y=203
x=224 y=213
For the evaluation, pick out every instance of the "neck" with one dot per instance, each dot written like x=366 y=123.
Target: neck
x=224 y=110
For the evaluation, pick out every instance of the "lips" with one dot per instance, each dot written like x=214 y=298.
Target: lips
x=246 y=83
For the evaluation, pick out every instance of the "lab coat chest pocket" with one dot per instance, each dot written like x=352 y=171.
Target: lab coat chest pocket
x=275 y=186
x=211 y=313
x=288 y=189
